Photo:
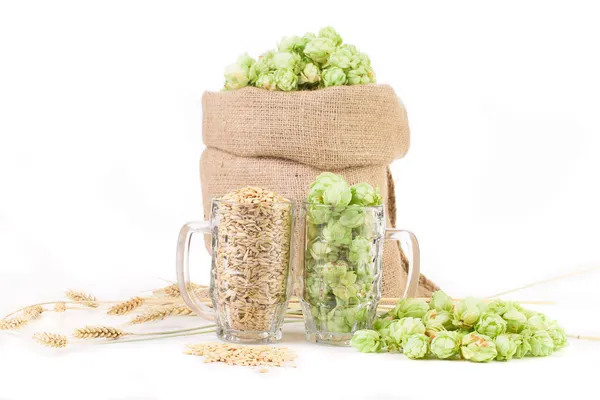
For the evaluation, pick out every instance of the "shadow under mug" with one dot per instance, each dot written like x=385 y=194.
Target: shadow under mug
x=250 y=275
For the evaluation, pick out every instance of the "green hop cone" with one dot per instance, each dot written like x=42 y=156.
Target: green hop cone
x=311 y=74
x=344 y=59
x=366 y=341
x=477 y=347
x=541 y=344
x=440 y=301
x=360 y=251
x=437 y=321
x=321 y=250
x=334 y=76
x=353 y=216
x=237 y=75
x=515 y=320
x=287 y=60
x=286 y=80
x=506 y=345
x=292 y=44
x=559 y=337
x=500 y=307
x=334 y=272
x=319 y=50
x=318 y=213
x=523 y=345
x=330 y=33
x=382 y=326
x=467 y=312
x=404 y=327
x=337 y=234
x=337 y=322
x=491 y=325
x=359 y=76
x=409 y=307
x=540 y=322
x=415 y=346
x=329 y=188
x=446 y=344
x=267 y=81
x=363 y=194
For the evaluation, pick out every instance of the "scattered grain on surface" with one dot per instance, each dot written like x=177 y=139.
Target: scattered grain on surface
x=234 y=354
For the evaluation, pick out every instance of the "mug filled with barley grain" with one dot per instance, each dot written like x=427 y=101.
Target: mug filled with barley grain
x=250 y=279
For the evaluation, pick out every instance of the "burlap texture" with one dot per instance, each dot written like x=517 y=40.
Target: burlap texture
x=222 y=172
x=329 y=129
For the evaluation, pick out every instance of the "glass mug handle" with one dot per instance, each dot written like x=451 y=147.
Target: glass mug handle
x=182 y=265
x=414 y=268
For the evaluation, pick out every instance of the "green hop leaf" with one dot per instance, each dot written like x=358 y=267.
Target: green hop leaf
x=286 y=79
x=437 y=321
x=363 y=194
x=334 y=76
x=409 y=307
x=559 y=337
x=467 y=312
x=541 y=344
x=506 y=345
x=360 y=251
x=491 y=325
x=515 y=320
x=267 y=81
x=319 y=49
x=366 y=341
x=353 y=216
x=330 y=33
x=446 y=344
x=404 y=327
x=311 y=74
x=440 y=301
x=477 y=347
x=337 y=234
x=415 y=346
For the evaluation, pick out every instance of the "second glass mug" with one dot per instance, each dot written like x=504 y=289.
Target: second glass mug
x=340 y=282
x=250 y=278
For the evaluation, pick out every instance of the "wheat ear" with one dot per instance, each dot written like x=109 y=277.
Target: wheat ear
x=126 y=306
x=33 y=312
x=90 y=301
x=60 y=307
x=161 y=313
x=51 y=339
x=13 y=323
x=173 y=290
x=94 y=332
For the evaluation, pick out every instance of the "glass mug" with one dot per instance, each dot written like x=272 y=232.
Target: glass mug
x=340 y=285
x=250 y=278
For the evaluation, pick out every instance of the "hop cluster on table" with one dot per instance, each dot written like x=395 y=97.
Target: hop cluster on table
x=303 y=63
x=472 y=330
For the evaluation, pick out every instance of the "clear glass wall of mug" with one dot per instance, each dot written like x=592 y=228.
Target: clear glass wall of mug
x=250 y=279
x=340 y=282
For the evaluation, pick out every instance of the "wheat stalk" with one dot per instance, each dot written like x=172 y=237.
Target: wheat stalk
x=50 y=339
x=94 y=332
x=90 y=301
x=162 y=313
x=60 y=307
x=13 y=323
x=33 y=312
x=126 y=306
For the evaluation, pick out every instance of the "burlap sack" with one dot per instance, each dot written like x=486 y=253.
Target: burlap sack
x=282 y=141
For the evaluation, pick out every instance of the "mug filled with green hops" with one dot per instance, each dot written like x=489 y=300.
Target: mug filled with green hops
x=340 y=284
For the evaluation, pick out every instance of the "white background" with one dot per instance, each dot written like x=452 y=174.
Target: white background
x=100 y=139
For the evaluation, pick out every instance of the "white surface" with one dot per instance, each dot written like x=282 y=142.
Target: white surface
x=100 y=137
